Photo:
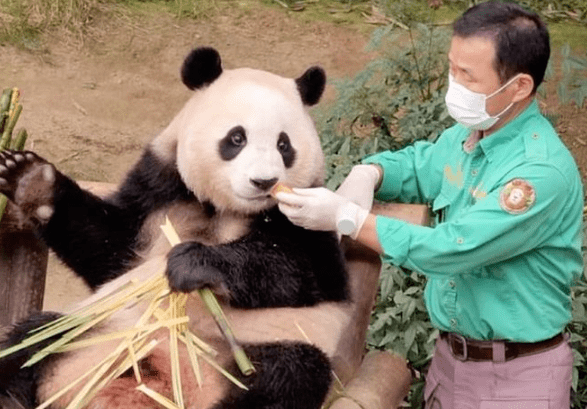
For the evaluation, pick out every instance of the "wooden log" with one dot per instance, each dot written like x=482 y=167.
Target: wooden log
x=382 y=382
x=23 y=268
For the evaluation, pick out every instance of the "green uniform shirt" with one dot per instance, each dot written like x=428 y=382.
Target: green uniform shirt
x=507 y=244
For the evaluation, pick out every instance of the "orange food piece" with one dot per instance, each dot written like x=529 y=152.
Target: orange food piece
x=280 y=187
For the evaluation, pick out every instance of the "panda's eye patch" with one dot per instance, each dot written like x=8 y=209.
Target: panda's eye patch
x=288 y=153
x=231 y=145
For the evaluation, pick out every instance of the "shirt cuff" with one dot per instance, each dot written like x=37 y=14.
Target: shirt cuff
x=392 y=175
x=394 y=237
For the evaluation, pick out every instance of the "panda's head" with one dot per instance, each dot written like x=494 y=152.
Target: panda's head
x=243 y=131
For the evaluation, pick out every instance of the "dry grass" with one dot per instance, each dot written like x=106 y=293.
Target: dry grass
x=22 y=21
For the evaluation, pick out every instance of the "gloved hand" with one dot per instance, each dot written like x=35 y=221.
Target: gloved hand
x=322 y=209
x=359 y=185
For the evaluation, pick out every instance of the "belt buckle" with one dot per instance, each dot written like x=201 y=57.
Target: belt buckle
x=461 y=339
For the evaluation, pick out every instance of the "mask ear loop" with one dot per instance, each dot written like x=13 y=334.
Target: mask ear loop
x=504 y=86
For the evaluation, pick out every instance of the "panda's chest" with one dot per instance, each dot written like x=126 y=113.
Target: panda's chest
x=193 y=222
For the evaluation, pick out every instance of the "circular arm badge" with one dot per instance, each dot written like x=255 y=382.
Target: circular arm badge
x=517 y=196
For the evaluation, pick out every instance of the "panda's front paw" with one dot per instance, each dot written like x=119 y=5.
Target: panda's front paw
x=28 y=180
x=187 y=270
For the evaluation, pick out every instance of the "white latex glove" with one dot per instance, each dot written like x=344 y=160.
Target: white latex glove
x=359 y=185
x=322 y=209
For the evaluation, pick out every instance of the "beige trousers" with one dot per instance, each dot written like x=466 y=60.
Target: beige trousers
x=540 y=381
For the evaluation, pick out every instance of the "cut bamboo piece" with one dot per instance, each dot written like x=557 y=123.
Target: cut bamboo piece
x=162 y=400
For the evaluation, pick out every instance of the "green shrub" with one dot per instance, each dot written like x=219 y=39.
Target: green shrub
x=578 y=332
x=397 y=99
x=559 y=10
x=573 y=85
x=400 y=323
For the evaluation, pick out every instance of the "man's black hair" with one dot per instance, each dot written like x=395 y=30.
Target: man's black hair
x=520 y=38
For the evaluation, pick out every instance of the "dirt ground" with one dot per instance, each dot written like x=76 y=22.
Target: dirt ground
x=91 y=106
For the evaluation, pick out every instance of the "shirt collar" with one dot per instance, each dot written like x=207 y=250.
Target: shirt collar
x=506 y=133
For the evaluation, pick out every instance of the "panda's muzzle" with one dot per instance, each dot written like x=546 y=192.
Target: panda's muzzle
x=264 y=184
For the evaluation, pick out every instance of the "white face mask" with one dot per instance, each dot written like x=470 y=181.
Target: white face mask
x=468 y=107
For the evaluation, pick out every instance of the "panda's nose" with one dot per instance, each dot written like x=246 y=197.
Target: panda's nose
x=264 y=184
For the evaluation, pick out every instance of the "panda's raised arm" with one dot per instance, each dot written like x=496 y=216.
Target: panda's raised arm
x=94 y=237
x=276 y=265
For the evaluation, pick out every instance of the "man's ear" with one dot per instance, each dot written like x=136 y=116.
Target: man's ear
x=524 y=85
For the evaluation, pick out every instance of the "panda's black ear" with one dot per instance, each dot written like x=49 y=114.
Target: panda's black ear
x=311 y=85
x=201 y=67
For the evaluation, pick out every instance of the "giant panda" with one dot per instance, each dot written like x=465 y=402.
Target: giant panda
x=210 y=171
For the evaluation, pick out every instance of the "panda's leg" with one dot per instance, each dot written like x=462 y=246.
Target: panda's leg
x=289 y=375
x=89 y=234
x=18 y=386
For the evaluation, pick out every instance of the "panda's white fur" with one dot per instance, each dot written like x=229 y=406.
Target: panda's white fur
x=265 y=106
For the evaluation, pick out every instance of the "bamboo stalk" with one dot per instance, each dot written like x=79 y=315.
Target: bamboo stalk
x=243 y=362
x=174 y=357
x=19 y=140
x=3 y=203
x=141 y=331
x=10 y=111
x=213 y=306
x=143 y=350
x=4 y=105
x=14 y=114
x=193 y=355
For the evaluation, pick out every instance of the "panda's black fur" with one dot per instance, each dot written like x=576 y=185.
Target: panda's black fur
x=275 y=264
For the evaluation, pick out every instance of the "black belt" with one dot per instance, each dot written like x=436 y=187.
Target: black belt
x=465 y=349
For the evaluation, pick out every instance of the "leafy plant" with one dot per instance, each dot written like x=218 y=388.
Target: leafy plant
x=578 y=331
x=400 y=322
x=573 y=85
x=397 y=99
x=559 y=10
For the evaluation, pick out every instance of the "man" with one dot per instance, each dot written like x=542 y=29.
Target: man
x=507 y=244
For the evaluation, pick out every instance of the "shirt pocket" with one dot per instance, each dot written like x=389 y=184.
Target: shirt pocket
x=443 y=202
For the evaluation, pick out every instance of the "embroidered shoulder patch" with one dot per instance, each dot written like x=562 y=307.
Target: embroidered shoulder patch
x=517 y=196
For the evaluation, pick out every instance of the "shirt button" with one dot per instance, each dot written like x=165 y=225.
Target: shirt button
x=460 y=240
x=452 y=284
x=474 y=172
x=535 y=136
x=453 y=323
